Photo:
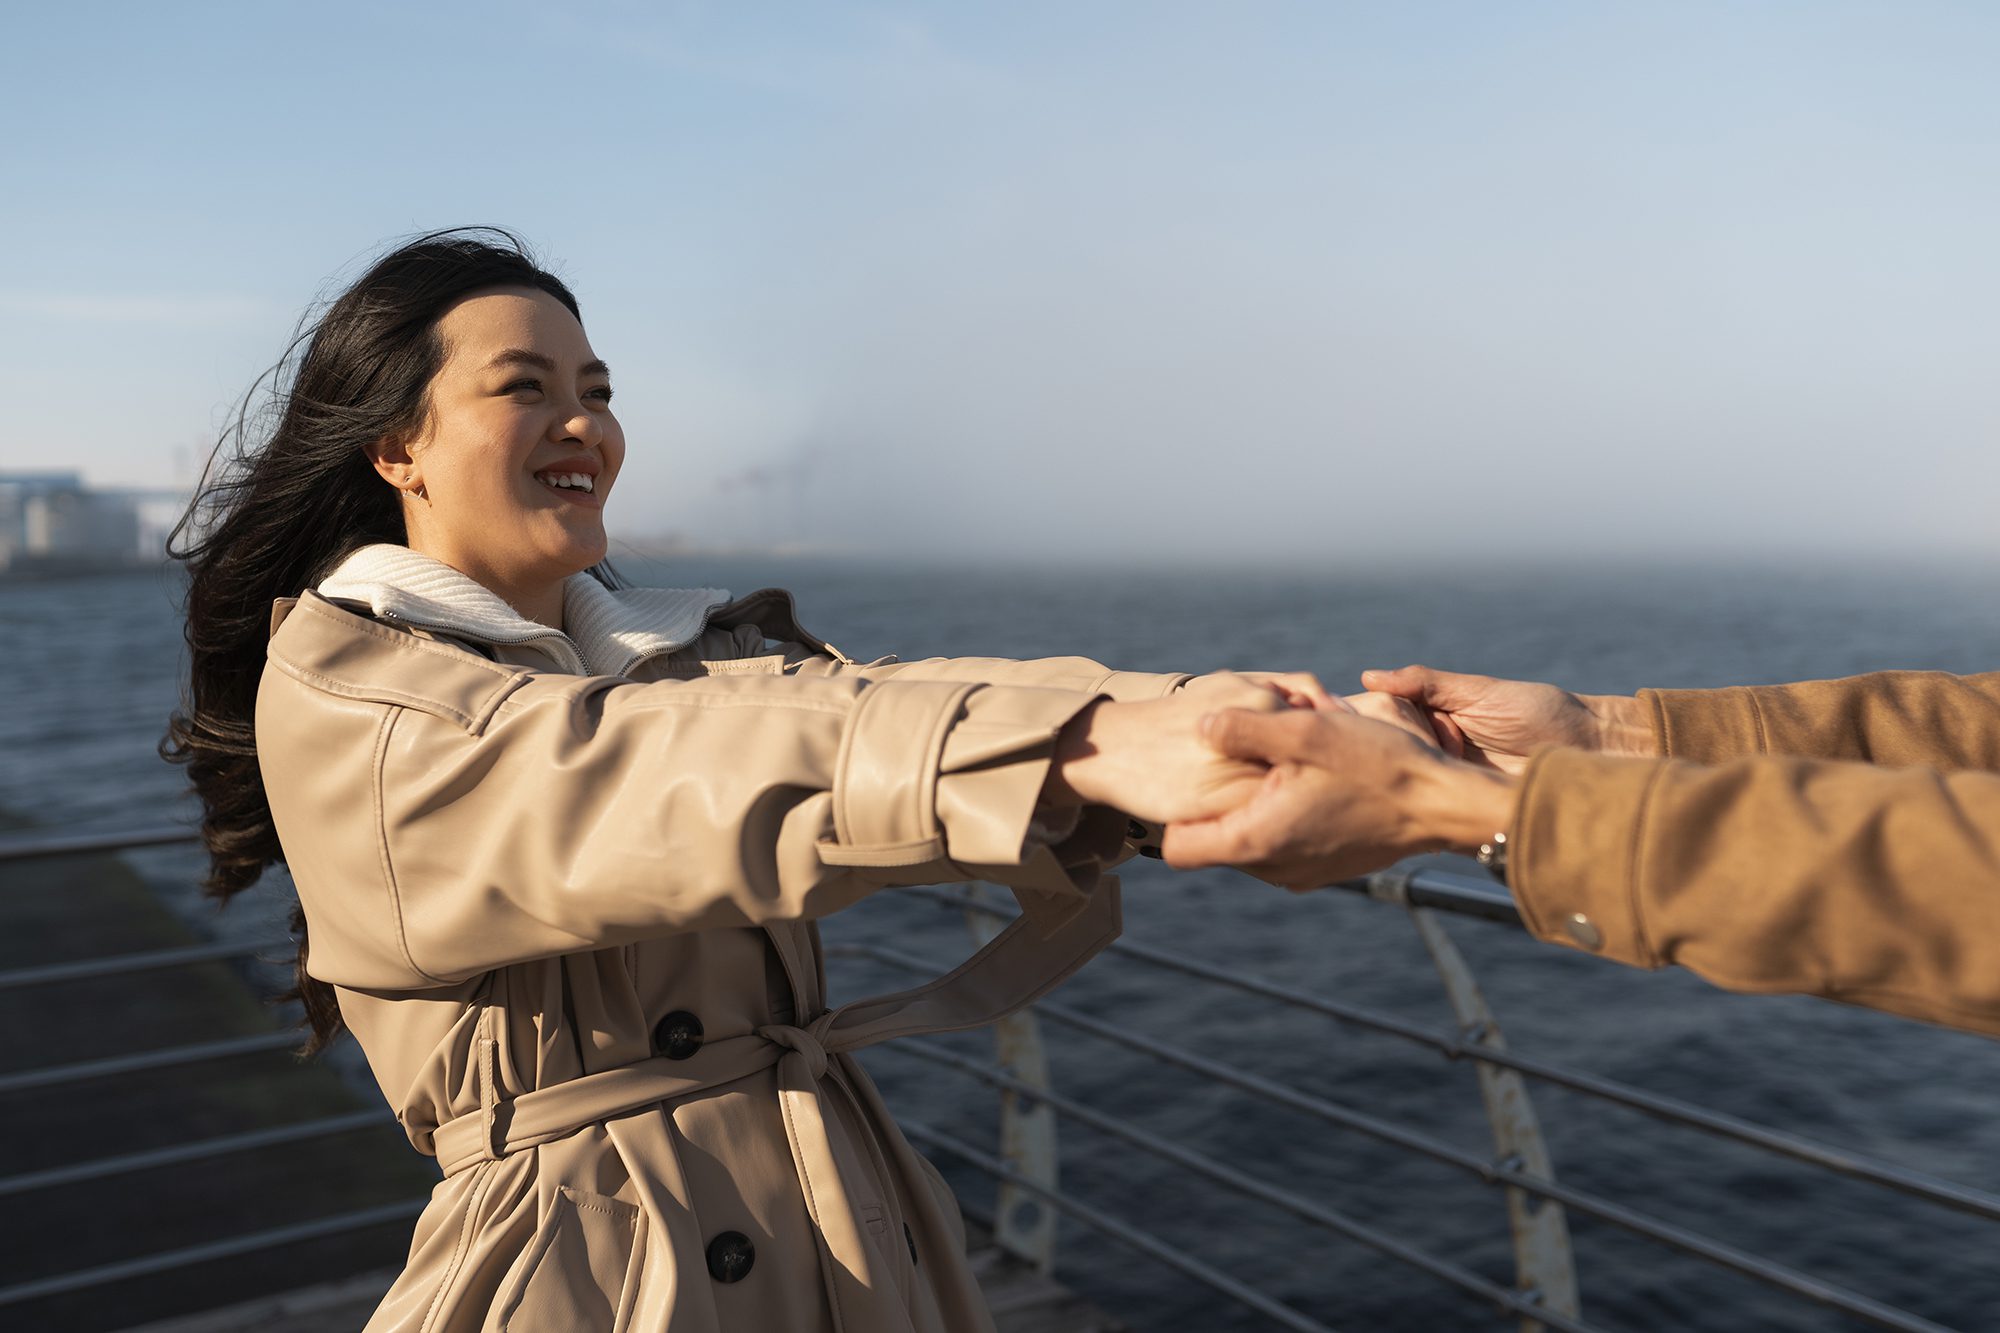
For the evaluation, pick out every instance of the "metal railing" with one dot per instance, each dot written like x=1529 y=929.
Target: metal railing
x=1025 y=1167
x=1504 y=1171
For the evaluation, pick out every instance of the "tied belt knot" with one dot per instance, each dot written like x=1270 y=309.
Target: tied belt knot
x=808 y=1041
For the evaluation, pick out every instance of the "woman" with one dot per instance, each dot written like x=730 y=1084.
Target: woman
x=560 y=845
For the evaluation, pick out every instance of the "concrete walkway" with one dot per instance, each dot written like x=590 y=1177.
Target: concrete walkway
x=1023 y=1301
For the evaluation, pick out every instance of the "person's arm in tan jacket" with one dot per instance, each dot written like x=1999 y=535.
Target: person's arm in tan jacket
x=1856 y=882
x=1895 y=718
x=1862 y=882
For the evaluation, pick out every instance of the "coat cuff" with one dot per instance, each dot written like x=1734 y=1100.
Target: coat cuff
x=943 y=780
x=1575 y=850
x=990 y=781
x=1137 y=686
x=1707 y=725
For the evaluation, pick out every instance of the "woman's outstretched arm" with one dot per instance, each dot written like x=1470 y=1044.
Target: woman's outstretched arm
x=444 y=815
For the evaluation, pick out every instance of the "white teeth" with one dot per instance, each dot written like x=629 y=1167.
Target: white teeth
x=573 y=481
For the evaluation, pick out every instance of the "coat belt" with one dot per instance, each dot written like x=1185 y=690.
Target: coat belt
x=1017 y=967
x=501 y=1127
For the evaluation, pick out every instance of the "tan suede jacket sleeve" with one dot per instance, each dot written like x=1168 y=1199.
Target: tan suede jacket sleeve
x=1873 y=882
x=1896 y=718
x=443 y=815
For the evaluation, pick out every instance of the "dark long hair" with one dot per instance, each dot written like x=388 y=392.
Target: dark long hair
x=288 y=494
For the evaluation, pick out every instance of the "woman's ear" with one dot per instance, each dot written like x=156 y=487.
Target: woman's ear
x=395 y=464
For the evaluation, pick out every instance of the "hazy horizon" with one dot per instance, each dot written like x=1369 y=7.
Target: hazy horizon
x=1150 y=283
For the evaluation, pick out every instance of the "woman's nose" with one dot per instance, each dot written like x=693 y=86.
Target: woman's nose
x=581 y=425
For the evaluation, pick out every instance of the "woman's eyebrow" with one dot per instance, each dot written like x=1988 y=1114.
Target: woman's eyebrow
x=521 y=356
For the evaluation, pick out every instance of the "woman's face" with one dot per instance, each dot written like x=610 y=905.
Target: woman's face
x=507 y=476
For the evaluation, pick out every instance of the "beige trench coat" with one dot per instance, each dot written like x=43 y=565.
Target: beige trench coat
x=565 y=887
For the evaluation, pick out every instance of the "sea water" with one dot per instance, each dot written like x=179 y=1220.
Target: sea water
x=91 y=668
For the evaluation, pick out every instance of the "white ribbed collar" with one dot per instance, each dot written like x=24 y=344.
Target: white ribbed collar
x=608 y=632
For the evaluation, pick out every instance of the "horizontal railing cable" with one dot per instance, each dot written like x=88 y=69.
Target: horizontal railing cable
x=1723 y=1255
x=1903 y=1180
x=57 y=1075
x=199 y=1150
x=61 y=1284
x=1916 y=1184
x=37 y=846
x=1444 y=890
x=1145 y=1242
x=125 y=964
x=1506 y=1299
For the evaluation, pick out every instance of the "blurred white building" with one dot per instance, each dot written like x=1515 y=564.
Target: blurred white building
x=50 y=522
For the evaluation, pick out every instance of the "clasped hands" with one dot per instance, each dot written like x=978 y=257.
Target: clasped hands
x=1272 y=774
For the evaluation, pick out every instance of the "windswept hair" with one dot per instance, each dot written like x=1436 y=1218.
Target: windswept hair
x=289 y=493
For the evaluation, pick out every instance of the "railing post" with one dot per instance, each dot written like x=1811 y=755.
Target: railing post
x=1543 y=1262
x=1023 y=1224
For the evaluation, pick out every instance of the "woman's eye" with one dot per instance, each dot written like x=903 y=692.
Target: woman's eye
x=523 y=386
x=602 y=393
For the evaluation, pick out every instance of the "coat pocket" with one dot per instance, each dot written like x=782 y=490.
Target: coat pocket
x=582 y=1269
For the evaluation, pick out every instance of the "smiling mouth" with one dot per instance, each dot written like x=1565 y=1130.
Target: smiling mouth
x=568 y=481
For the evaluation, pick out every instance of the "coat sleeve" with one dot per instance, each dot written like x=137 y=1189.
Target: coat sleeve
x=1061 y=673
x=1896 y=718
x=1872 y=885
x=741 y=634
x=443 y=816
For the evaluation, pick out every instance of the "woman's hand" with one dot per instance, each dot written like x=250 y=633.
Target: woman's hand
x=1148 y=759
x=1499 y=723
x=1405 y=716
x=1299 y=689
x=1343 y=796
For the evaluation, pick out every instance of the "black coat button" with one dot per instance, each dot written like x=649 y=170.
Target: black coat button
x=677 y=1036
x=730 y=1257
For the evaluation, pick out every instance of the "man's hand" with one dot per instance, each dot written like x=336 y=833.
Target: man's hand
x=1344 y=795
x=1149 y=760
x=1499 y=723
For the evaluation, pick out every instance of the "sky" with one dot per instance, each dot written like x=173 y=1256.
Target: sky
x=1298 y=283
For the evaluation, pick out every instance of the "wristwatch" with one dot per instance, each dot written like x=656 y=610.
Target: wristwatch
x=1493 y=855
